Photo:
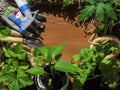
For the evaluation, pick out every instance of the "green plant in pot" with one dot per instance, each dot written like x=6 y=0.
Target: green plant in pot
x=56 y=76
x=97 y=69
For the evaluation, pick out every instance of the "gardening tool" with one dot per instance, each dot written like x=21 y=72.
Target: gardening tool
x=22 y=21
x=15 y=18
x=16 y=37
x=29 y=31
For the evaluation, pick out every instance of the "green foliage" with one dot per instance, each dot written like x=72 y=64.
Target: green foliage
x=112 y=72
x=65 y=66
x=4 y=31
x=52 y=57
x=36 y=70
x=87 y=12
x=46 y=54
x=100 y=11
x=64 y=2
x=16 y=72
x=103 y=11
x=31 y=2
x=68 y=2
x=91 y=59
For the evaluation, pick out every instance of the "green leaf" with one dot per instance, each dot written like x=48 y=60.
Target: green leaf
x=91 y=1
x=5 y=69
x=77 y=85
x=0 y=86
x=116 y=2
x=24 y=67
x=48 y=53
x=111 y=74
x=67 y=2
x=6 y=53
x=43 y=51
x=118 y=64
x=110 y=12
x=21 y=73
x=100 y=27
x=111 y=24
x=100 y=11
x=113 y=49
x=14 y=85
x=10 y=10
x=18 y=48
x=38 y=61
x=10 y=53
x=113 y=84
x=36 y=70
x=4 y=31
x=22 y=56
x=84 y=53
x=106 y=61
x=76 y=57
x=15 y=52
x=2 y=78
x=15 y=63
x=8 y=77
x=86 y=13
x=83 y=76
x=9 y=60
x=65 y=66
x=26 y=81
x=56 y=50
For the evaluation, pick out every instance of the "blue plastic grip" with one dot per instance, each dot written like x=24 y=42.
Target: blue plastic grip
x=17 y=21
x=20 y=30
x=24 y=7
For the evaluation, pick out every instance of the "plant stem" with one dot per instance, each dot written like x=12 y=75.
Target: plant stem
x=94 y=77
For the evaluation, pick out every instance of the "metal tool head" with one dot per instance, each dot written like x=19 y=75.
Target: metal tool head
x=33 y=43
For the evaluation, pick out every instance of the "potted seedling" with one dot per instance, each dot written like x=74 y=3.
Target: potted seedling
x=56 y=76
x=99 y=65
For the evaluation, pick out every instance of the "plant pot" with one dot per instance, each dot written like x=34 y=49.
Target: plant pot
x=60 y=80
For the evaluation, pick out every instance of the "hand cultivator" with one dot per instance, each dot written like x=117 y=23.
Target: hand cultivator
x=25 y=25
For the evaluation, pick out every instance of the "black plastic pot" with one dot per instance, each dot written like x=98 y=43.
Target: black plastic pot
x=60 y=80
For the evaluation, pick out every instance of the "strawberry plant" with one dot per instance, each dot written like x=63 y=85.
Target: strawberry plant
x=4 y=31
x=16 y=72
